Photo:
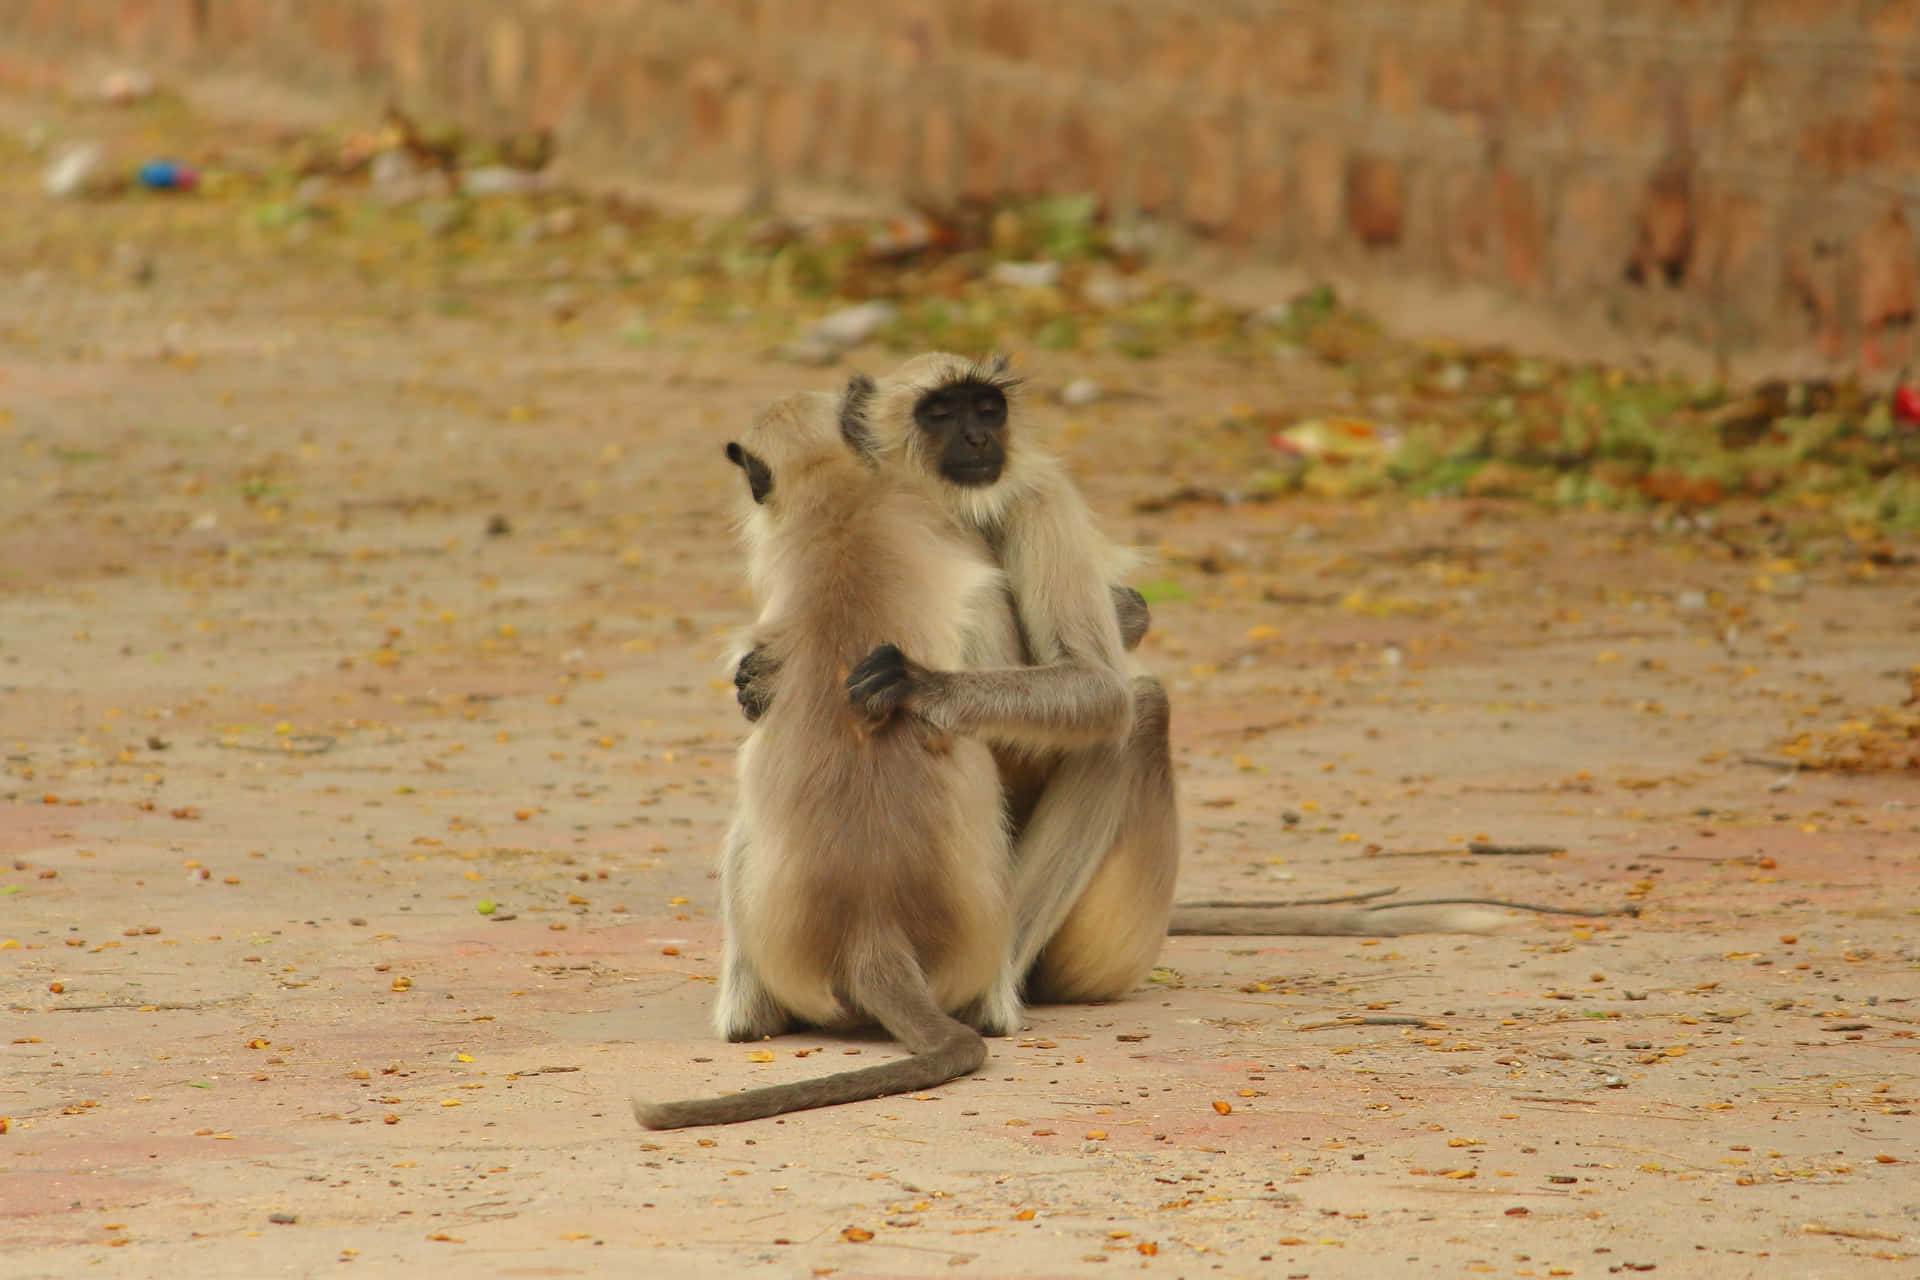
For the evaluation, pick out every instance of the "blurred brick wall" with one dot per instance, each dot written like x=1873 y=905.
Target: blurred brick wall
x=1738 y=170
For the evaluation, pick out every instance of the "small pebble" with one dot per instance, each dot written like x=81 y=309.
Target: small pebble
x=1026 y=275
x=1080 y=393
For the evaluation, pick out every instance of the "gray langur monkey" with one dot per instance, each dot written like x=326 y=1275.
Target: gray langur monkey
x=1082 y=743
x=866 y=875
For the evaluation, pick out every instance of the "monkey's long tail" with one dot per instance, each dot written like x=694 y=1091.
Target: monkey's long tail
x=1380 y=920
x=893 y=991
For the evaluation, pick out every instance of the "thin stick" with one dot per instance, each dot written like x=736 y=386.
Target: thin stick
x=1475 y=847
x=299 y=744
x=1846 y=1233
x=1482 y=846
x=160 y=1006
x=1377 y=1020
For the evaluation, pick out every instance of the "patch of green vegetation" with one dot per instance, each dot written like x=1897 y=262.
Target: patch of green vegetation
x=1433 y=419
x=1160 y=590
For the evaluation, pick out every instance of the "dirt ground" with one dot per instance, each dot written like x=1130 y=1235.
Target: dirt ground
x=367 y=746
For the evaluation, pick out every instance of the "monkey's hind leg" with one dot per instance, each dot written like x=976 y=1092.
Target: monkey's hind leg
x=998 y=1011
x=1100 y=855
x=744 y=1009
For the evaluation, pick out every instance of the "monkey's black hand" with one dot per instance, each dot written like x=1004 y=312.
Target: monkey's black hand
x=1131 y=609
x=753 y=683
x=882 y=681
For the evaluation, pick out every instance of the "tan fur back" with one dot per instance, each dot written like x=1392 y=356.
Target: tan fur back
x=870 y=829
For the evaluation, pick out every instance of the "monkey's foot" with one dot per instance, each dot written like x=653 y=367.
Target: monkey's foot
x=747 y=1011
x=996 y=1013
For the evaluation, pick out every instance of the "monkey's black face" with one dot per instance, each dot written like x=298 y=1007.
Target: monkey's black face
x=966 y=428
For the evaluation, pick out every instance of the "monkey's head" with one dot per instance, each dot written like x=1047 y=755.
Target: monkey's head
x=948 y=416
x=800 y=433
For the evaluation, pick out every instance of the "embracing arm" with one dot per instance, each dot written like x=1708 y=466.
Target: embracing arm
x=1077 y=692
x=756 y=673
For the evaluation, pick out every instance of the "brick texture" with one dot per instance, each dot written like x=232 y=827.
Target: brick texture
x=1745 y=169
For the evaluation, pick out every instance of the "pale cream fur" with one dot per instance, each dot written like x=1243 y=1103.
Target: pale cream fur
x=859 y=835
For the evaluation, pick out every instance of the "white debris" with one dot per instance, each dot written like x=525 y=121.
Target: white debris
x=1079 y=393
x=840 y=331
x=1274 y=315
x=71 y=170
x=851 y=326
x=901 y=237
x=398 y=178
x=1107 y=289
x=391 y=169
x=498 y=180
x=1026 y=275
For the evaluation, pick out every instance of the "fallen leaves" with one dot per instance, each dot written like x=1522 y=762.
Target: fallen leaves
x=1883 y=739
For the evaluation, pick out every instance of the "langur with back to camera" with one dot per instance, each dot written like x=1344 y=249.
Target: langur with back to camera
x=1082 y=743
x=874 y=887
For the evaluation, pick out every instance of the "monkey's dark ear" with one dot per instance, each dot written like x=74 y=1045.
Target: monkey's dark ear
x=998 y=363
x=854 y=428
x=759 y=477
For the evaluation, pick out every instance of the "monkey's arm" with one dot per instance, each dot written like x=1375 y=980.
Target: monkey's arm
x=757 y=673
x=1058 y=705
x=1077 y=691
